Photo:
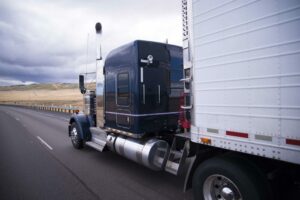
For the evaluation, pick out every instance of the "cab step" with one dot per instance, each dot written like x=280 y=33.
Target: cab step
x=176 y=158
x=95 y=145
x=98 y=139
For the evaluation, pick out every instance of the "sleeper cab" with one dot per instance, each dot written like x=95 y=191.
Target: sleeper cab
x=143 y=88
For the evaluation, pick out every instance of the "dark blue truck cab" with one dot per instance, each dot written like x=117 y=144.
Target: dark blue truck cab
x=142 y=88
x=137 y=112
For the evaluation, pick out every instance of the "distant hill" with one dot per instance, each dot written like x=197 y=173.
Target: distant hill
x=43 y=86
x=58 y=94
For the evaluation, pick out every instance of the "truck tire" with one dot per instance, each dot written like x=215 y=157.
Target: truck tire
x=75 y=138
x=229 y=178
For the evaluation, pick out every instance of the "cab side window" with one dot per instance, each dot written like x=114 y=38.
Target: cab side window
x=123 y=89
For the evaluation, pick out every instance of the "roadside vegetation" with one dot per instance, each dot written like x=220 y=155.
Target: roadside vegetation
x=58 y=94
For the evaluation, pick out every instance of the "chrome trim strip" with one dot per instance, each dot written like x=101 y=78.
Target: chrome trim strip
x=142 y=115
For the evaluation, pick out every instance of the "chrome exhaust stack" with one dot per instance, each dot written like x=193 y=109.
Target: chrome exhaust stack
x=99 y=78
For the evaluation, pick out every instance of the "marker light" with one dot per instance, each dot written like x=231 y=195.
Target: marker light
x=205 y=140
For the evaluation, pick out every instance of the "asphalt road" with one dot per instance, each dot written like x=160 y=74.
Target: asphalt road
x=38 y=161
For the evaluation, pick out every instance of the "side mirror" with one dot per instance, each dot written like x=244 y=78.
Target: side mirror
x=81 y=84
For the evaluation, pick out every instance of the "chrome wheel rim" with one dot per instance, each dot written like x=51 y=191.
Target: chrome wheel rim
x=218 y=187
x=74 y=134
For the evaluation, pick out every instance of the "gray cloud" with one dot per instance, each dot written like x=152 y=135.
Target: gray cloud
x=45 y=41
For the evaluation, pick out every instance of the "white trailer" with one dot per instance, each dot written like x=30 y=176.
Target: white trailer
x=242 y=77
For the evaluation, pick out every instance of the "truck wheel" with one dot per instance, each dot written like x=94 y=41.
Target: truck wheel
x=223 y=178
x=75 y=138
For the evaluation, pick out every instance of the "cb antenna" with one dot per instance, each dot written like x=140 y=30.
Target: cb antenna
x=87 y=52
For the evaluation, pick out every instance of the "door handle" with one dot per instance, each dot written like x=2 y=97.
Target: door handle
x=144 y=94
x=158 y=87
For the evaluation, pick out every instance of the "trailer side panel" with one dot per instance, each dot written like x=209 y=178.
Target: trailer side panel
x=246 y=76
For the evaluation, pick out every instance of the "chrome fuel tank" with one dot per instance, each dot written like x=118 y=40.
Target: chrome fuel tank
x=151 y=153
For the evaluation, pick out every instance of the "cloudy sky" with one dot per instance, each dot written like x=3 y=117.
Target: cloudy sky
x=46 y=41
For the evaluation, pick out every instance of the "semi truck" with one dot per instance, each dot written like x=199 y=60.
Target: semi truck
x=223 y=109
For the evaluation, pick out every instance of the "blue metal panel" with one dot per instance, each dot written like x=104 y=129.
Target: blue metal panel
x=155 y=107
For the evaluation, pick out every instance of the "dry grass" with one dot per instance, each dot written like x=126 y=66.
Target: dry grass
x=58 y=96
x=46 y=86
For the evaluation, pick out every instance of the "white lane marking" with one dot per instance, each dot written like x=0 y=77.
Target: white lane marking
x=17 y=119
x=45 y=143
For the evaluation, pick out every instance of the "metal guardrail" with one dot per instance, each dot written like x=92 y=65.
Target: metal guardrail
x=65 y=108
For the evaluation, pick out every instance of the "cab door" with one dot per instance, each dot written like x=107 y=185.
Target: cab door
x=154 y=90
